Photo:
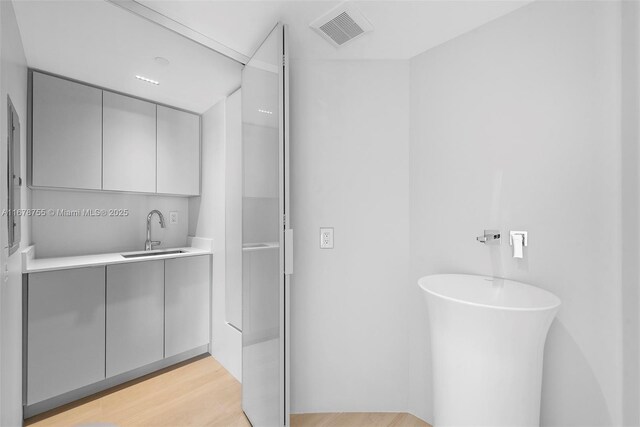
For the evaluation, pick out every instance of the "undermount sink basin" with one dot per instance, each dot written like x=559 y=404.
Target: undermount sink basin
x=487 y=345
x=153 y=253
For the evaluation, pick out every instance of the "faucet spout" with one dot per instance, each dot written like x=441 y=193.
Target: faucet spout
x=149 y=244
x=160 y=217
x=489 y=236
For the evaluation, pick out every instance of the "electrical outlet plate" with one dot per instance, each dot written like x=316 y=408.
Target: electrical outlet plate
x=326 y=237
x=173 y=217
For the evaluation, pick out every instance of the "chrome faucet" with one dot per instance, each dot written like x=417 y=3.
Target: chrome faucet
x=149 y=244
x=489 y=236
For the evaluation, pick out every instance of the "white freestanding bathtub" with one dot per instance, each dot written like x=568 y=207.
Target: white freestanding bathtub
x=487 y=343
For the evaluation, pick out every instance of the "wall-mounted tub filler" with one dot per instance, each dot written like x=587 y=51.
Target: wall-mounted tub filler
x=518 y=240
x=489 y=236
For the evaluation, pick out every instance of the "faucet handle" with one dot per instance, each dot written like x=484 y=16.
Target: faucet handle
x=155 y=243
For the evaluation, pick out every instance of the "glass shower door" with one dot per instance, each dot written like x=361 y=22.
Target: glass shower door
x=265 y=235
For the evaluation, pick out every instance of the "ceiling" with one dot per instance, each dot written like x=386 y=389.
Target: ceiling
x=100 y=43
x=402 y=29
x=96 y=42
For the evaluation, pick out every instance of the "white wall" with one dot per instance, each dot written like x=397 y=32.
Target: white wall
x=208 y=219
x=630 y=132
x=73 y=235
x=515 y=126
x=13 y=82
x=350 y=170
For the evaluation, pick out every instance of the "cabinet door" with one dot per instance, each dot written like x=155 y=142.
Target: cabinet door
x=135 y=315
x=65 y=331
x=178 y=152
x=67 y=134
x=129 y=144
x=186 y=303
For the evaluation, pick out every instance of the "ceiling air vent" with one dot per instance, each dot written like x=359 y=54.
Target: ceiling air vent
x=342 y=24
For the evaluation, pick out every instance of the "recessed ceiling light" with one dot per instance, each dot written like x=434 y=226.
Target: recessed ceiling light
x=265 y=111
x=147 y=80
x=161 y=61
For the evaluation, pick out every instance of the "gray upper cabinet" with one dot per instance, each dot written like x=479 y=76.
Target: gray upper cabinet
x=187 y=303
x=178 y=152
x=88 y=138
x=67 y=134
x=65 y=331
x=135 y=315
x=129 y=144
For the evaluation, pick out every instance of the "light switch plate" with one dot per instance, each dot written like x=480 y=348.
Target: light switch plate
x=326 y=238
x=173 y=217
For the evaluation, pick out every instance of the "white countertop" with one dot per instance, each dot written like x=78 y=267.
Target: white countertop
x=34 y=265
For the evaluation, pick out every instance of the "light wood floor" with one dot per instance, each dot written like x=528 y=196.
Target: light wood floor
x=357 y=419
x=199 y=392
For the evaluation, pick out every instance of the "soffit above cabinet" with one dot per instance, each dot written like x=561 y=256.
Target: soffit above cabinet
x=102 y=44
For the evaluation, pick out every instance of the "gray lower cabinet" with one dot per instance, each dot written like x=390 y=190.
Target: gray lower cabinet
x=88 y=324
x=187 y=303
x=135 y=315
x=65 y=332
